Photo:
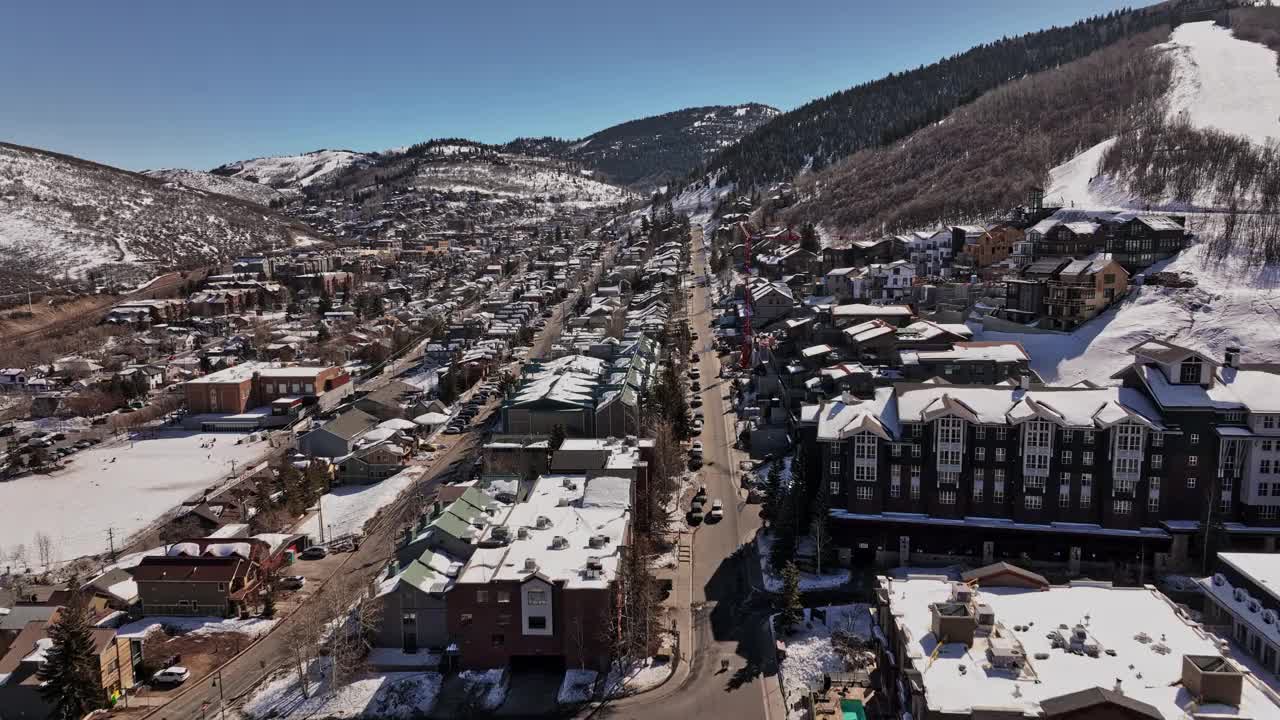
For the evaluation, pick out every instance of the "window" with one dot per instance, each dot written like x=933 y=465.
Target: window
x=915 y=451
x=1086 y=457
x=1189 y=371
x=1191 y=481
x=1000 y=454
x=979 y=454
x=1066 y=457
x=537 y=622
x=979 y=433
x=1033 y=502
x=895 y=487
x=1128 y=438
x=1064 y=496
x=915 y=429
x=504 y=619
x=1266 y=446
x=1193 y=460
x=915 y=482
x=1194 y=438
x=1235 y=416
x=864 y=473
x=504 y=596
x=482 y=596
x=1002 y=433
x=865 y=492
x=864 y=447
x=1263 y=489
x=834 y=486
x=498 y=639
x=222 y=587
x=1264 y=466
x=896 y=450
x=1268 y=422
x=1127 y=465
x=536 y=597
x=1269 y=512
x=949 y=477
x=978 y=483
x=465 y=619
x=1086 y=489
x=1068 y=436
x=409 y=618
x=835 y=467
x=1086 y=436
x=948 y=457
x=1157 y=439
x=947 y=497
x=1122 y=507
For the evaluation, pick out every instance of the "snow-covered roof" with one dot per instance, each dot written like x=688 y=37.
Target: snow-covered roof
x=1232 y=389
x=1263 y=569
x=1143 y=635
x=557 y=507
x=1077 y=407
x=1005 y=352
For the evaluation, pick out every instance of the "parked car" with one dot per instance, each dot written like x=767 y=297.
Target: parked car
x=453 y=430
x=696 y=448
x=315 y=552
x=696 y=516
x=696 y=425
x=292 y=582
x=717 y=511
x=696 y=402
x=695 y=386
x=175 y=675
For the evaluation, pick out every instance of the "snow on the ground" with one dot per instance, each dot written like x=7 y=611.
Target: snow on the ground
x=348 y=507
x=578 y=686
x=833 y=578
x=489 y=685
x=1230 y=305
x=1076 y=184
x=811 y=652
x=295 y=170
x=232 y=186
x=253 y=627
x=122 y=486
x=628 y=678
x=381 y=695
x=1224 y=83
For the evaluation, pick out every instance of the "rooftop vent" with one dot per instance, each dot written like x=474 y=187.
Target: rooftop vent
x=597 y=541
x=501 y=533
x=559 y=543
x=543 y=522
x=522 y=533
x=530 y=565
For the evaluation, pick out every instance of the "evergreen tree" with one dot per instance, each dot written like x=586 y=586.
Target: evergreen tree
x=71 y=681
x=792 y=613
x=784 y=529
x=774 y=492
x=809 y=238
x=557 y=437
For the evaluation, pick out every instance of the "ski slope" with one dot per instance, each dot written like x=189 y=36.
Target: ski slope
x=1219 y=82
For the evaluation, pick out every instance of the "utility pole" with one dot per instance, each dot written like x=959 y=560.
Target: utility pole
x=111 y=538
x=320 y=509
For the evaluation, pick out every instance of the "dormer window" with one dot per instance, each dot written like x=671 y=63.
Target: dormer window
x=1189 y=371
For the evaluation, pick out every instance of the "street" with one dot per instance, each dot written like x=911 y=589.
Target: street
x=728 y=622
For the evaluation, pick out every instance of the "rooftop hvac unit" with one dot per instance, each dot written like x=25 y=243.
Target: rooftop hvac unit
x=559 y=543
x=530 y=565
x=522 y=533
x=543 y=522
x=1240 y=595
x=1219 y=579
x=501 y=532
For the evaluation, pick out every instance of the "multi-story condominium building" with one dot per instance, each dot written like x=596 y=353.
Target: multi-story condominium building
x=1243 y=603
x=1122 y=475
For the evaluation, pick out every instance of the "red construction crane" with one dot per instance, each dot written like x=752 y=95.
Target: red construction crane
x=746 y=292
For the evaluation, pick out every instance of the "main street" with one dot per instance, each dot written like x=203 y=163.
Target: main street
x=729 y=622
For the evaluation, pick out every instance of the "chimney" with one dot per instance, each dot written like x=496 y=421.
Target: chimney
x=1231 y=357
x=1024 y=381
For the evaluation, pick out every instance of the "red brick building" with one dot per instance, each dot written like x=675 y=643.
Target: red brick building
x=249 y=385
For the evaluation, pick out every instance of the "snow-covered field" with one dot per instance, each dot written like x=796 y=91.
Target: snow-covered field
x=628 y=679
x=382 y=695
x=121 y=486
x=253 y=627
x=348 y=507
x=811 y=653
x=232 y=186
x=1230 y=305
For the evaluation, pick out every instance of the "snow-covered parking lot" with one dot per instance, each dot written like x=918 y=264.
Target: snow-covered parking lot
x=120 y=486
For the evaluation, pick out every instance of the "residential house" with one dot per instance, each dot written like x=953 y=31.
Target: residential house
x=337 y=437
x=210 y=576
x=114 y=659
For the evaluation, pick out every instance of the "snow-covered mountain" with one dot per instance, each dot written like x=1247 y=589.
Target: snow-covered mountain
x=648 y=152
x=63 y=216
x=246 y=190
x=295 y=171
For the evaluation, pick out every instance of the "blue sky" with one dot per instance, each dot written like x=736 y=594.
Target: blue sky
x=177 y=84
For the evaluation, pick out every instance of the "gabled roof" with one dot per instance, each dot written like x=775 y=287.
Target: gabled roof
x=1096 y=697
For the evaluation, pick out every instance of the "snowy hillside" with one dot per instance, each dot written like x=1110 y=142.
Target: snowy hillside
x=1219 y=82
x=294 y=171
x=63 y=216
x=519 y=176
x=1232 y=304
x=233 y=186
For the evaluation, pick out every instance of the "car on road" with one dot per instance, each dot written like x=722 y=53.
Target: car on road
x=695 y=386
x=695 y=515
x=717 y=511
x=175 y=675
x=696 y=425
x=453 y=430
x=315 y=552
x=292 y=582
x=696 y=448
x=696 y=402
x=695 y=373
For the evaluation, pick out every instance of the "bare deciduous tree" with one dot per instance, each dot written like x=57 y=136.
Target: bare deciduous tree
x=44 y=549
